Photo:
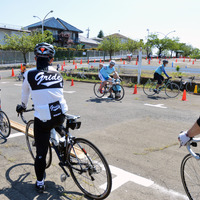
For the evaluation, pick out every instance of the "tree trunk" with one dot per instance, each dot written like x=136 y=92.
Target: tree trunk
x=24 y=55
x=110 y=52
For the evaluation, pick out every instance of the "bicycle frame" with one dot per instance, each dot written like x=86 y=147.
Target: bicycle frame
x=193 y=142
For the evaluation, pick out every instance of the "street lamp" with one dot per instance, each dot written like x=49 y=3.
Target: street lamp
x=42 y=21
x=167 y=33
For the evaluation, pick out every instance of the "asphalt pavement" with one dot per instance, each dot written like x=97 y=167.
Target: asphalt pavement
x=138 y=137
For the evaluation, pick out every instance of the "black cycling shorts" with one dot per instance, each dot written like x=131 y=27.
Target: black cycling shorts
x=159 y=78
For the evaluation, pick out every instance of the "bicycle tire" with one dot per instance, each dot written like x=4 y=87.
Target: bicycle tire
x=172 y=90
x=31 y=144
x=189 y=86
x=5 y=127
x=87 y=152
x=97 y=92
x=122 y=92
x=189 y=166
x=148 y=88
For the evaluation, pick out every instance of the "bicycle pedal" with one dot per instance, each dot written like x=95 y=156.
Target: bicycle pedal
x=63 y=177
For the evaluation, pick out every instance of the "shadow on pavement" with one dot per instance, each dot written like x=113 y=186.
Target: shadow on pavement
x=156 y=97
x=100 y=100
x=23 y=187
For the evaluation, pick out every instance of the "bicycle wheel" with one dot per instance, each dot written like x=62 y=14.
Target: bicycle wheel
x=31 y=143
x=97 y=91
x=5 y=127
x=190 y=86
x=149 y=87
x=190 y=176
x=89 y=169
x=121 y=89
x=172 y=90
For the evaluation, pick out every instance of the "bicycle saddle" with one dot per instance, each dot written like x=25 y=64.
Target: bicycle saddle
x=68 y=116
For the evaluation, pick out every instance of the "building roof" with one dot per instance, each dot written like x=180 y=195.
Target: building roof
x=55 y=24
x=97 y=39
x=68 y=26
x=87 y=40
x=117 y=35
x=13 y=28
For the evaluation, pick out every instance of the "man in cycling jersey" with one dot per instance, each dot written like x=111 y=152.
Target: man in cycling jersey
x=45 y=84
x=104 y=75
x=158 y=75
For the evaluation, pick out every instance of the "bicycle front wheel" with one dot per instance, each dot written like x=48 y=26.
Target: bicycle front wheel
x=190 y=176
x=120 y=94
x=5 y=127
x=172 y=90
x=97 y=90
x=31 y=143
x=89 y=169
x=190 y=87
x=149 y=88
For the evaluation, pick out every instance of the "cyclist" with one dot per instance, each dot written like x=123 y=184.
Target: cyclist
x=185 y=136
x=104 y=75
x=45 y=84
x=158 y=75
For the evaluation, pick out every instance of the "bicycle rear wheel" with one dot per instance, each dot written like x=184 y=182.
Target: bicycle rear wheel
x=149 y=88
x=121 y=93
x=172 y=90
x=97 y=90
x=190 y=176
x=190 y=86
x=89 y=169
x=31 y=143
x=4 y=124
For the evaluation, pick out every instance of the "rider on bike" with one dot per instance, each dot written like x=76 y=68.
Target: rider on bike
x=158 y=75
x=104 y=75
x=45 y=84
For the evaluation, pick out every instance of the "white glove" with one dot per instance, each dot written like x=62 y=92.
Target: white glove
x=183 y=138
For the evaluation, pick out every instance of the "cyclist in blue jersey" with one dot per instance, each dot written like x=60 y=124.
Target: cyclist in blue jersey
x=104 y=75
x=158 y=75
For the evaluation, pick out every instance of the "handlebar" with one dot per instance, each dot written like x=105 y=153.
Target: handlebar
x=193 y=142
x=22 y=117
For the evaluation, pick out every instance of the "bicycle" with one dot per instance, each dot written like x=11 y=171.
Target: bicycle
x=189 y=170
x=19 y=77
x=87 y=165
x=172 y=90
x=116 y=87
x=187 y=84
x=5 y=127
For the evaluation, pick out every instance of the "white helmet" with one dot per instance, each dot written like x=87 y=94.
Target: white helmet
x=112 y=62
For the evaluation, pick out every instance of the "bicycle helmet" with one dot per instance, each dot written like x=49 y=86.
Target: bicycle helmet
x=44 y=50
x=165 y=61
x=112 y=62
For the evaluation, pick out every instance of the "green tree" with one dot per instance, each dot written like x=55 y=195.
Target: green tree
x=187 y=49
x=100 y=35
x=173 y=45
x=111 y=44
x=26 y=42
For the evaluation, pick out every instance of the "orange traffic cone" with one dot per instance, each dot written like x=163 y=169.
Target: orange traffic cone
x=100 y=60
x=81 y=62
x=88 y=61
x=13 y=74
x=176 y=60
x=149 y=62
x=193 y=62
x=136 y=62
x=62 y=68
x=120 y=59
x=146 y=58
x=124 y=62
x=21 y=67
x=64 y=63
x=72 y=82
x=75 y=66
x=135 y=90
x=184 y=96
x=73 y=62
x=94 y=60
x=159 y=62
x=184 y=60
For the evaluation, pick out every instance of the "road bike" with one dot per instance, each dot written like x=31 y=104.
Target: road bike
x=190 y=171
x=5 y=127
x=86 y=164
x=116 y=87
x=187 y=83
x=172 y=90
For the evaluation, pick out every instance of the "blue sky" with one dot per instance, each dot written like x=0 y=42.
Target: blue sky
x=131 y=17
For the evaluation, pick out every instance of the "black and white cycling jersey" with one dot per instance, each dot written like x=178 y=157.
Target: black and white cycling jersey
x=46 y=89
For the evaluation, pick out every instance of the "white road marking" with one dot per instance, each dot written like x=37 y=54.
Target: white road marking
x=69 y=92
x=16 y=135
x=18 y=84
x=123 y=177
x=157 y=105
x=4 y=82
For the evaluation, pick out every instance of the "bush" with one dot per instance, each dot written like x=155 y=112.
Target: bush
x=177 y=68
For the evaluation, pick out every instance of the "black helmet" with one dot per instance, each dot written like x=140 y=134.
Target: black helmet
x=165 y=61
x=44 y=50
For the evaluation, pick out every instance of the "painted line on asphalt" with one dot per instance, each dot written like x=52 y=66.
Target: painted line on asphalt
x=4 y=82
x=123 y=177
x=16 y=135
x=157 y=105
x=18 y=84
x=69 y=92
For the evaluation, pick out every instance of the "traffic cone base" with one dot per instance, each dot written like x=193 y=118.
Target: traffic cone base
x=135 y=90
x=184 y=96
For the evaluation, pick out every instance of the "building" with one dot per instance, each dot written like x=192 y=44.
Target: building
x=10 y=30
x=88 y=42
x=123 y=38
x=57 y=26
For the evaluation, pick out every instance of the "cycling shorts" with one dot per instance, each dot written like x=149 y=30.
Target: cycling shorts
x=102 y=78
x=158 y=77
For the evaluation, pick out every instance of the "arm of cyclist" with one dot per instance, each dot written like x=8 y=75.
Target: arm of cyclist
x=163 y=69
x=186 y=136
x=100 y=66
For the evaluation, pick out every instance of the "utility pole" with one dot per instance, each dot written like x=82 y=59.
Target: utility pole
x=88 y=34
